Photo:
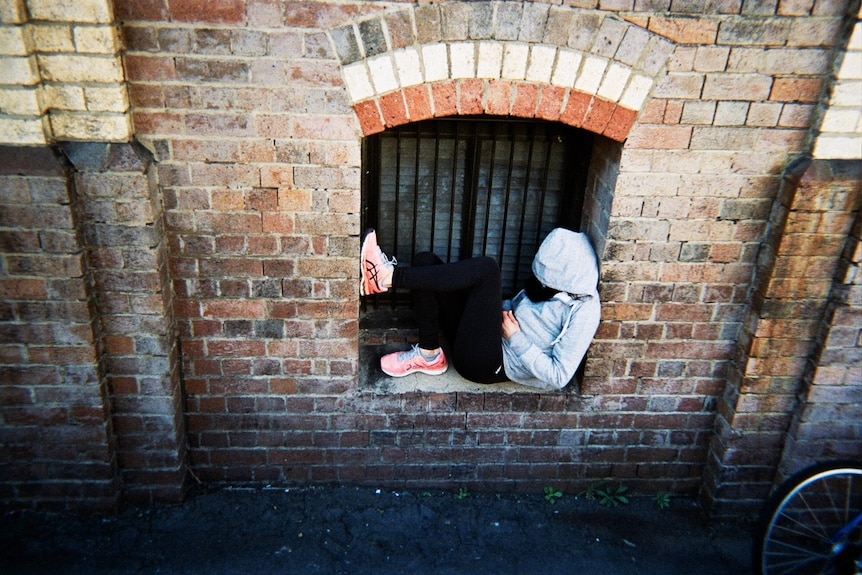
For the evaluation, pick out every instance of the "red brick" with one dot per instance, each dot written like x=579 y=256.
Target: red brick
x=445 y=97
x=660 y=137
x=551 y=103
x=526 y=100
x=499 y=98
x=576 y=109
x=19 y=288
x=685 y=30
x=159 y=123
x=471 y=93
x=316 y=15
x=673 y=112
x=599 y=115
x=369 y=117
x=620 y=124
x=209 y=11
x=394 y=110
x=418 y=103
x=796 y=90
x=234 y=309
x=142 y=10
x=150 y=68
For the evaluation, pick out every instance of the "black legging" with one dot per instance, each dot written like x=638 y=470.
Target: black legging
x=463 y=298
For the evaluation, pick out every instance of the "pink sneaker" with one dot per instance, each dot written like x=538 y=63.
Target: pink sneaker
x=376 y=268
x=403 y=363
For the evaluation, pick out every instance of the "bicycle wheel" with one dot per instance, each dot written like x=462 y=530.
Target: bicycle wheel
x=811 y=525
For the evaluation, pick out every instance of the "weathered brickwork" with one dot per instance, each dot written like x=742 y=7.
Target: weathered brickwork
x=800 y=322
x=832 y=391
x=220 y=265
x=507 y=59
x=61 y=75
x=120 y=216
x=55 y=440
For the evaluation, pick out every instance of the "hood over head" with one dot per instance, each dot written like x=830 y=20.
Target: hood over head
x=566 y=261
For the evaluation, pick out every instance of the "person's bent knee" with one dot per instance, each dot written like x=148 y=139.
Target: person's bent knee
x=489 y=264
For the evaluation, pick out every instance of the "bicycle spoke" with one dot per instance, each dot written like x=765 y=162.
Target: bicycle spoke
x=814 y=528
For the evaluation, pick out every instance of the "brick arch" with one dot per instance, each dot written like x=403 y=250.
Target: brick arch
x=583 y=68
x=495 y=98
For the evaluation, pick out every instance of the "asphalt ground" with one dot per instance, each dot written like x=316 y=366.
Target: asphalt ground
x=345 y=530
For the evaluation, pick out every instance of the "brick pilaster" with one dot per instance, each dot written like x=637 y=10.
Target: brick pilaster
x=121 y=215
x=56 y=440
x=789 y=312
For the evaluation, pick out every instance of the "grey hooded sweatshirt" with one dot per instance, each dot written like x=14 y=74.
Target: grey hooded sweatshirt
x=555 y=334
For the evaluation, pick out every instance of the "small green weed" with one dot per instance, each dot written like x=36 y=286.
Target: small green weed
x=551 y=495
x=463 y=493
x=662 y=500
x=590 y=492
x=611 y=497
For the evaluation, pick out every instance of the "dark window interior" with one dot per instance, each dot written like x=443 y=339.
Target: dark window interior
x=473 y=187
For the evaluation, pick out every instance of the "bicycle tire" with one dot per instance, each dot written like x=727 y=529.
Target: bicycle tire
x=801 y=518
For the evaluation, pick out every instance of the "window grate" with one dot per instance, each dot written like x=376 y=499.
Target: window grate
x=466 y=188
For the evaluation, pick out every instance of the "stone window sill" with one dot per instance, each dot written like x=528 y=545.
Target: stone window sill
x=375 y=381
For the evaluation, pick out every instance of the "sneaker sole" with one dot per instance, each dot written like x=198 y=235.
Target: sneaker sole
x=425 y=371
x=364 y=285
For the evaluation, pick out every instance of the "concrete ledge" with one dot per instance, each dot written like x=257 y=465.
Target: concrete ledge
x=372 y=379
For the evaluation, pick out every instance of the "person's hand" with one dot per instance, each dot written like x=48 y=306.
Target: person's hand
x=510 y=324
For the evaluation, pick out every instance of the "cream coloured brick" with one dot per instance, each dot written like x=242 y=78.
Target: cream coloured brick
x=18 y=71
x=711 y=58
x=541 y=64
x=21 y=101
x=75 y=68
x=64 y=97
x=490 y=61
x=463 y=59
x=855 y=42
x=840 y=120
x=515 y=61
x=731 y=113
x=851 y=66
x=409 y=67
x=13 y=12
x=96 y=39
x=566 y=69
x=14 y=41
x=436 y=62
x=358 y=82
x=636 y=92
x=113 y=98
x=846 y=93
x=591 y=76
x=764 y=114
x=22 y=131
x=52 y=38
x=828 y=147
x=97 y=11
x=383 y=73
x=698 y=112
x=78 y=127
x=614 y=82
x=737 y=87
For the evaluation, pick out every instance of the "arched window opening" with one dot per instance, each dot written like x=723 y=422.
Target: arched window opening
x=471 y=187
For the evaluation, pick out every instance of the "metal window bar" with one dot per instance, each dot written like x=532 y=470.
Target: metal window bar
x=463 y=188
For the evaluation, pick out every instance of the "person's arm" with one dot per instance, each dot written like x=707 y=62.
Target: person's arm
x=557 y=365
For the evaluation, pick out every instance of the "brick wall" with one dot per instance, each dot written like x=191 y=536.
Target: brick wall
x=56 y=445
x=62 y=73
x=823 y=426
x=120 y=214
x=231 y=252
